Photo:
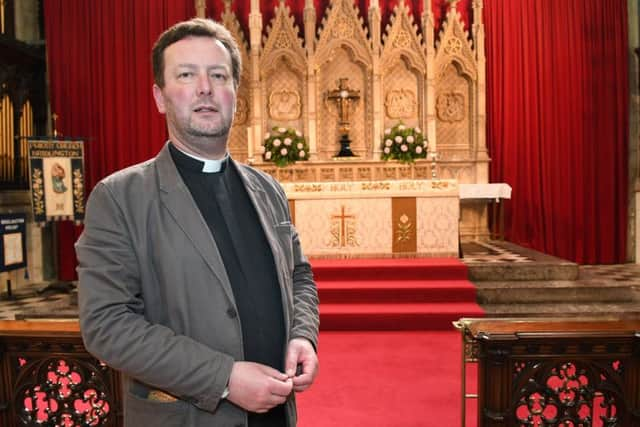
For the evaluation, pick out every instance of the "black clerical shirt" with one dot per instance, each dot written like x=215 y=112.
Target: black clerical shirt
x=234 y=224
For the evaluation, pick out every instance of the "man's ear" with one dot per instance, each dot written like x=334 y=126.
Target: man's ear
x=159 y=97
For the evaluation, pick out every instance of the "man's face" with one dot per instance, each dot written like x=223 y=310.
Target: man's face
x=199 y=96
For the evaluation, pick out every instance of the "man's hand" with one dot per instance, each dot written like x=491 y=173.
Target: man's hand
x=300 y=351
x=256 y=387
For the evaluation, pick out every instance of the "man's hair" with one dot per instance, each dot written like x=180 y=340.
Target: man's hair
x=196 y=27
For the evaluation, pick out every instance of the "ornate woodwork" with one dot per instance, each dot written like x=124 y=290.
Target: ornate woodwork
x=49 y=379
x=555 y=371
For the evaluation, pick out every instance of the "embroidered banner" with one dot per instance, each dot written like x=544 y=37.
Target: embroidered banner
x=56 y=171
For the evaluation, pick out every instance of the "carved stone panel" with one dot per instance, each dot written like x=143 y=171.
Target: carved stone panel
x=454 y=114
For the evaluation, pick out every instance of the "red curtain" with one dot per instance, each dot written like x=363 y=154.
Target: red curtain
x=557 y=105
x=557 y=123
x=100 y=86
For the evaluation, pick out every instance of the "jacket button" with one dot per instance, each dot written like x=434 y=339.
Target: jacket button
x=232 y=313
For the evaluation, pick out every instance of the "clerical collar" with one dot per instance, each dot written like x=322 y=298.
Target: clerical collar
x=197 y=164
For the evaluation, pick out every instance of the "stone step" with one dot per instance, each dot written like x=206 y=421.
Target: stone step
x=525 y=271
x=554 y=291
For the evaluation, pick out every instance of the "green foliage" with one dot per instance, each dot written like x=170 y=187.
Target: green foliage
x=285 y=146
x=404 y=144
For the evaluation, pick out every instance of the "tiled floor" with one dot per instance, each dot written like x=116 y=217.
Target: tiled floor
x=56 y=301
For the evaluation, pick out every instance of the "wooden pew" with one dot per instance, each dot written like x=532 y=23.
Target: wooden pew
x=46 y=374
x=554 y=371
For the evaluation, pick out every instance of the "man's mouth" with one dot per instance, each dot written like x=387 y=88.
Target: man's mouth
x=205 y=109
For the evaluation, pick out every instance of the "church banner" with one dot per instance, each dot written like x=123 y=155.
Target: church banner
x=13 y=235
x=56 y=171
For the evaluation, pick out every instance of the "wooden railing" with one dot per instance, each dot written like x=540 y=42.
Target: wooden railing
x=47 y=378
x=555 y=371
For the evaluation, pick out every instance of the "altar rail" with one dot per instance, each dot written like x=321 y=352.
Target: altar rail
x=47 y=376
x=554 y=371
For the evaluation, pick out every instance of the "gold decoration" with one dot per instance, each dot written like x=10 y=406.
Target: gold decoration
x=343 y=28
x=282 y=42
x=403 y=230
x=343 y=230
x=37 y=186
x=439 y=185
x=78 y=191
x=453 y=46
x=451 y=107
x=403 y=40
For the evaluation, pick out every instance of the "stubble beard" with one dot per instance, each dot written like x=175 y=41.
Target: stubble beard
x=209 y=130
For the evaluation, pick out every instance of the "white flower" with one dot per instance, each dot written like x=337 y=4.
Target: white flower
x=401 y=127
x=403 y=148
x=267 y=135
x=387 y=131
x=298 y=133
x=398 y=139
x=417 y=129
x=388 y=142
x=300 y=146
x=387 y=150
x=267 y=155
x=418 y=149
x=282 y=130
x=283 y=151
x=410 y=139
x=276 y=142
x=301 y=154
x=287 y=141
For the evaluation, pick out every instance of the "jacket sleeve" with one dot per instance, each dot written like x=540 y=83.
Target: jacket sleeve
x=306 y=320
x=112 y=321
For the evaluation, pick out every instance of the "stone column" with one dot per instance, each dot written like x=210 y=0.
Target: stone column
x=376 y=50
x=256 y=121
x=428 y=29
x=311 y=119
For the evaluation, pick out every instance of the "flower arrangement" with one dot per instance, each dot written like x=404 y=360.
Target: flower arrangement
x=403 y=143
x=284 y=146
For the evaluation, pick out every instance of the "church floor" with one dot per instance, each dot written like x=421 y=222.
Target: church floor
x=510 y=280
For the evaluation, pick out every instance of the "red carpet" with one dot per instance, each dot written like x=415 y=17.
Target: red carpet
x=393 y=294
x=386 y=379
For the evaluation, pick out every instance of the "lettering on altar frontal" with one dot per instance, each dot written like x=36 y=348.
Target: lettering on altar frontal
x=308 y=188
x=411 y=186
x=340 y=187
x=375 y=186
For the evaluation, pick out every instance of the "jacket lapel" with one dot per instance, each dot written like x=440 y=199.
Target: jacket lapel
x=177 y=199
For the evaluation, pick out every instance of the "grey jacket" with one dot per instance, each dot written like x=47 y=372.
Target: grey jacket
x=155 y=300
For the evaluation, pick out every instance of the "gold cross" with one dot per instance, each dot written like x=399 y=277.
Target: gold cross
x=343 y=217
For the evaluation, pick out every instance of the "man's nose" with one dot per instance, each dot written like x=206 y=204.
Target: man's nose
x=204 y=85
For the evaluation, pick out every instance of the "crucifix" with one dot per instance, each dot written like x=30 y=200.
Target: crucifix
x=345 y=99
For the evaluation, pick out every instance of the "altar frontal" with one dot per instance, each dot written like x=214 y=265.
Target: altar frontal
x=376 y=218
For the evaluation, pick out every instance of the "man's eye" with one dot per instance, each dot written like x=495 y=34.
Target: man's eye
x=219 y=77
x=185 y=75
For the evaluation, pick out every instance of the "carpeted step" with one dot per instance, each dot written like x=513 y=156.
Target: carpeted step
x=389 y=269
x=407 y=316
x=395 y=291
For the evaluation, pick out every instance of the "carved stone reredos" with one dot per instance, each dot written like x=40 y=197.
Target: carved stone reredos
x=282 y=42
x=401 y=39
x=230 y=21
x=342 y=26
x=454 y=45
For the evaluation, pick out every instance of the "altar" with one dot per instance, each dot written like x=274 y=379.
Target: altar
x=399 y=218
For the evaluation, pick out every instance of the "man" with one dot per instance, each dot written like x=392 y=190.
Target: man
x=192 y=280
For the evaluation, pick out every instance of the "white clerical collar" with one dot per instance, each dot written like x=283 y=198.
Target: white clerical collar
x=209 y=165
